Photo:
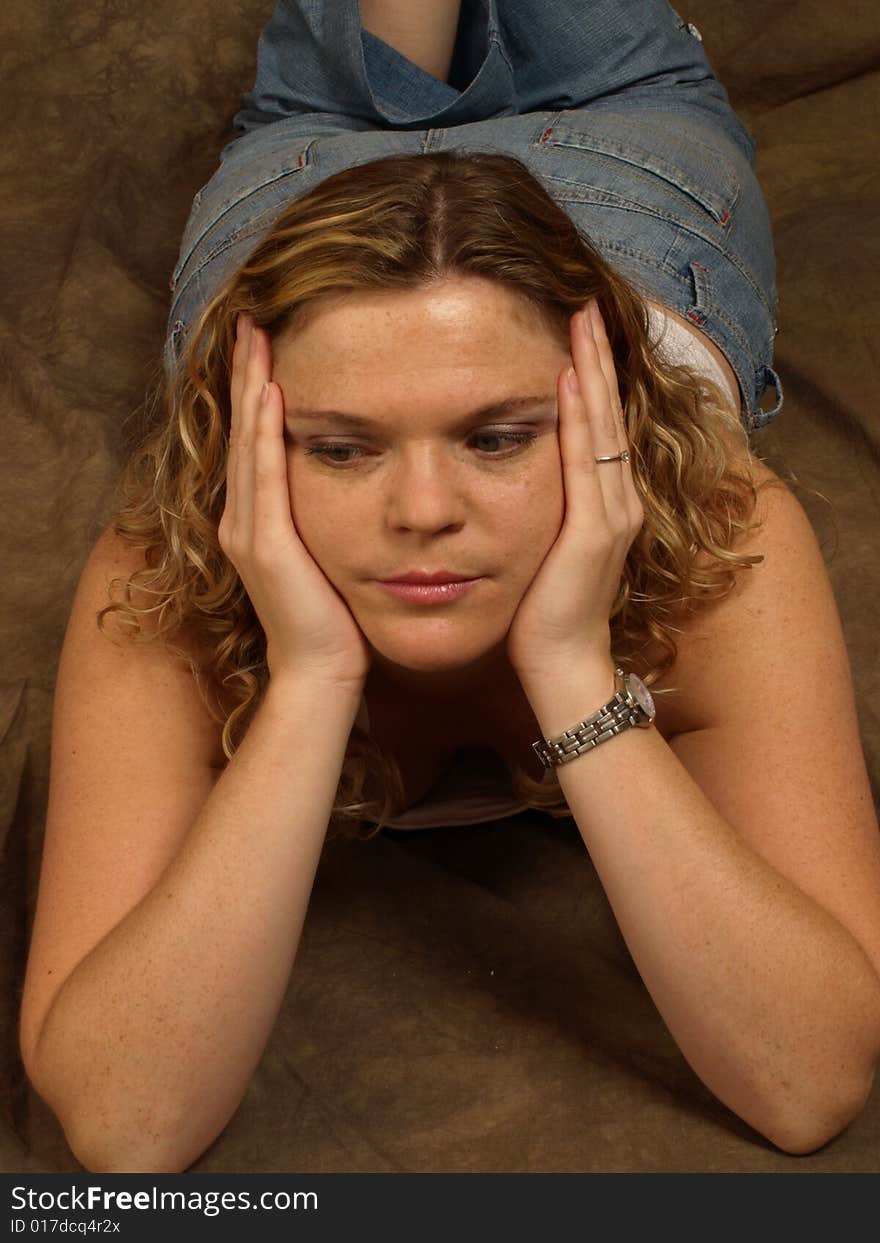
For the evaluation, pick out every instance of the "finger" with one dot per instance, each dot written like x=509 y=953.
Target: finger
x=600 y=416
x=242 y=442
x=606 y=358
x=609 y=372
x=584 y=499
x=273 y=520
x=239 y=356
x=594 y=384
x=234 y=457
x=260 y=467
x=258 y=369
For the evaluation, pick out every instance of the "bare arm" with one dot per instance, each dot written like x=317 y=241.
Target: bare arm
x=422 y=30
x=742 y=857
x=771 y=999
x=152 y=1040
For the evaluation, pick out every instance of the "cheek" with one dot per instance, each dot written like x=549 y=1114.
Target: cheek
x=527 y=516
x=534 y=517
x=316 y=513
x=545 y=503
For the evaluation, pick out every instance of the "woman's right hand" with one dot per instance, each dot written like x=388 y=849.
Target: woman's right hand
x=308 y=626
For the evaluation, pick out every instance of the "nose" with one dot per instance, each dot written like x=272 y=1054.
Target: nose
x=426 y=491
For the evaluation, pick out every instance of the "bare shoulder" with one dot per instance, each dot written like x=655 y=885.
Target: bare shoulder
x=100 y=658
x=768 y=726
x=721 y=640
x=115 y=558
x=133 y=759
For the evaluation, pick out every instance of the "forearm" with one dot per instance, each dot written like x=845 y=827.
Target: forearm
x=421 y=30
x=774 y=1004
x=152 y=1040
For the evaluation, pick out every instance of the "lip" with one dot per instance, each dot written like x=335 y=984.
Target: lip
x=429 y=577
x=429 y=593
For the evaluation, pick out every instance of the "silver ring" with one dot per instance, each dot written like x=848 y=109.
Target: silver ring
x=616 y=457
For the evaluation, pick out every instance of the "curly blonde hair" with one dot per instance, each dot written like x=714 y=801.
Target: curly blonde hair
x=402 y=223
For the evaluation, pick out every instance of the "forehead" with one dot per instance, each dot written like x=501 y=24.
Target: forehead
x=463 y=330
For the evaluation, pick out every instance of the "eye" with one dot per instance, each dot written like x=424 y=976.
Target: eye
x=321 y=451
x=516 y=439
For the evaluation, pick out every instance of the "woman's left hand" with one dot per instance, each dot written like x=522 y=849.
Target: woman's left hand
x=563 y=620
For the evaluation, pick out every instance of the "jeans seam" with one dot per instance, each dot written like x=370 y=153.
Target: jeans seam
x=308 y=161
x=669 y=172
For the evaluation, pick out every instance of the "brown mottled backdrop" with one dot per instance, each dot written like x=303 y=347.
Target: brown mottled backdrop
x=497 y=1023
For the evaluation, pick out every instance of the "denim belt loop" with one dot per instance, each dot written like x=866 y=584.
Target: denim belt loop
x=760 y=418
x=698 y=311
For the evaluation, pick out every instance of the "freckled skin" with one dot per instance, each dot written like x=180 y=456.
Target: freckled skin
x=419 y=493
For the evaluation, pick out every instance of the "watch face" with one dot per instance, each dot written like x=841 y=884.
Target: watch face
x=641 y=695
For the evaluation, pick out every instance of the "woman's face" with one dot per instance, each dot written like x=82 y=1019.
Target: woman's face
x=429 y=483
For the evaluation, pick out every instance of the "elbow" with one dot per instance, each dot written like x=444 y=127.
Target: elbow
x=107 y=1152
x=808 y=1133
x=109 y=1133
x=109 y=1149
x=104 y=1159
x=136 y=1141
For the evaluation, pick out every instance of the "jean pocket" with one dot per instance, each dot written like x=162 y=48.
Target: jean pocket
x=656 y=160
x=237 y=194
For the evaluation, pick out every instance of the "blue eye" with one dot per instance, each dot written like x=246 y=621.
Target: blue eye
x=521 y=439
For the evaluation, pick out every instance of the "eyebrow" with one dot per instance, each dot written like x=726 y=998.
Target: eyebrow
x=494 y=410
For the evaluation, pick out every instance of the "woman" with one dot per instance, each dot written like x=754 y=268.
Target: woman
x=381 y=294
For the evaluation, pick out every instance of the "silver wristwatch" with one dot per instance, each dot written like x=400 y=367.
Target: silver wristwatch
x=632 y=705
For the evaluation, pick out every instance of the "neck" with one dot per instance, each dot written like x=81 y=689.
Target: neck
x=481 y=705
x=489 y=678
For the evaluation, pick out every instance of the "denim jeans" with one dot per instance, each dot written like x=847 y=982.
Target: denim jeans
x=611 y=104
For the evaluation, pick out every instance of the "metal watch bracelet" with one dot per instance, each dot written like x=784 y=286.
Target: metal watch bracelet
x=623 y=711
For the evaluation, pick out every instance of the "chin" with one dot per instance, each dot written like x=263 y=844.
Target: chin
x=437 y=653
